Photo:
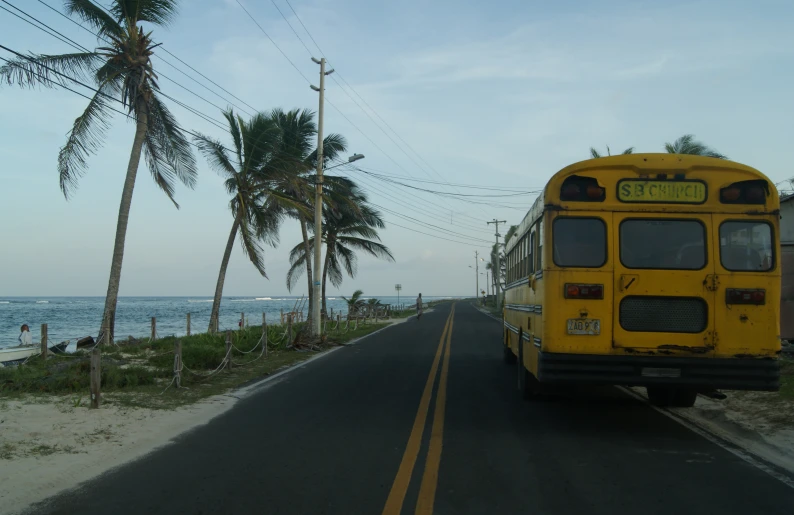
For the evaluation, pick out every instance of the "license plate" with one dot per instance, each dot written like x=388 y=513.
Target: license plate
x=661 y=372
x=584 y=326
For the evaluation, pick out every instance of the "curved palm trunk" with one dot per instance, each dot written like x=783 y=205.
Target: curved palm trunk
x=329 y=248
x=111 y=299
x=216 y=301
x=307 y=249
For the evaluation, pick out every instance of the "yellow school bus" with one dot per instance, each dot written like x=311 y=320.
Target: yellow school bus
x=655 y=270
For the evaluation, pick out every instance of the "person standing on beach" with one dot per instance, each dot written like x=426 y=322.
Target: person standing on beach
x=25 y=338
x=419 y=307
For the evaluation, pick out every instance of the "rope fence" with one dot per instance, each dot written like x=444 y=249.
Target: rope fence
x=145 y=349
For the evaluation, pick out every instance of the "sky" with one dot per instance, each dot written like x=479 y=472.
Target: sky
x=503 y=93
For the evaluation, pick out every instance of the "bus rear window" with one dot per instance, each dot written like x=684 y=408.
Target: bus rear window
x=579 y=242
x=746 y=246
x=663 y=244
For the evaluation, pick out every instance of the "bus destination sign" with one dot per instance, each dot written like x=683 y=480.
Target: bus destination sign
x=669 y=192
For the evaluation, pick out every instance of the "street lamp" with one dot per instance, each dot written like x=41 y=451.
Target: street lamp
x=351 y=159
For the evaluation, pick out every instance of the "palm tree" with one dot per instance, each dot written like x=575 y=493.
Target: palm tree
x=355 y=302
x=687 y=144
x=595 y=154
x=251 y=181
x=298 y=156
x=349 y=225
x=123 y=72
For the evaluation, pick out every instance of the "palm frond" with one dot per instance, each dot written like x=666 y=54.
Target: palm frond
x=687 y=144
x=334 y=270
x=173 y=143
x=234 y=130
x=295 y=272
x=298 y=251
x=167 y=151
x=251 y=247
x=157 y=163
x=348 y=259
x=333 y=145
x=628 y=151
x=215 y=154
x=373 y=248
x=84 y=139
x=49 y=70
x=594 y=153
x=95 y=16
x=157 y=12
x=265 y=222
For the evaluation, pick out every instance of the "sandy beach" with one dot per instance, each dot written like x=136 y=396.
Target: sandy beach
x=48 y=445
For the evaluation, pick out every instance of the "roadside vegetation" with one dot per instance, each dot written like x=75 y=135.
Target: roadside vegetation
x=140 y=373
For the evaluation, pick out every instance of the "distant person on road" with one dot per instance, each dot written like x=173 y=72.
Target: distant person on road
x=419 y=307
x=25 y=338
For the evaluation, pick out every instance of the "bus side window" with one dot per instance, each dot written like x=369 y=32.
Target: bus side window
x=540 y=246
x=531 y=259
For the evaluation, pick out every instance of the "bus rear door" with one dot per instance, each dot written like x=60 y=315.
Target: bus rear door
x=664 y=283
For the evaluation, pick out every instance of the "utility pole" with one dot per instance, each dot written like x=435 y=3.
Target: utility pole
x=316 y=325
x=498 y=272
x=477 y=274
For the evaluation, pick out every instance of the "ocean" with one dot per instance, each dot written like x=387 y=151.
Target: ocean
x=70 y=318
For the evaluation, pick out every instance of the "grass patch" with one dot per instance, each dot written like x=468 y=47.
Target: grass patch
x=340 y=337
x=7 y=451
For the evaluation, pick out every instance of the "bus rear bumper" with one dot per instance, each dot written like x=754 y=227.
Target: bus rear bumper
x=760 y=374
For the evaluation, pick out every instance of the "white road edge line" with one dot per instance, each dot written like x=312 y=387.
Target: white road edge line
x=247 y=390
x=729 y=446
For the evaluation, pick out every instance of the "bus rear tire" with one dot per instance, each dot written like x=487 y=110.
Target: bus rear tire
x=685 y=397
x=528 y=386
x=664 y=396
x=509 y=357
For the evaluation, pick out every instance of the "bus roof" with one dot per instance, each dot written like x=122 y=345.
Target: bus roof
x=609 y=170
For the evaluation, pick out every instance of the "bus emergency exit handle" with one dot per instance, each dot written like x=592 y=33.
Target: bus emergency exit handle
x=625 y=285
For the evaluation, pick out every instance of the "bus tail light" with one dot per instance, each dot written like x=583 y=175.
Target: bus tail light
x=582 y=189
x=584 y=291
x=745 y=192
x=745 y=296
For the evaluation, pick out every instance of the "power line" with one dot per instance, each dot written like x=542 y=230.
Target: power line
x=432 y=226
x=435 y=210
x=363 y=100
x=273 y=41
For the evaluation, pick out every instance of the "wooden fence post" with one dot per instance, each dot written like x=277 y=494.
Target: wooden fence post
x=289 y=330
x=178 y=363
x=264 y=332
x=242 y=321
x=154 y=329
x=96 y=377
x=229 y=349
x=44 y=341
x=188 y=324
x=338 y=321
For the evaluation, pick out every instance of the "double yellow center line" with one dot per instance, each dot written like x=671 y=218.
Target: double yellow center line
x=427 y=490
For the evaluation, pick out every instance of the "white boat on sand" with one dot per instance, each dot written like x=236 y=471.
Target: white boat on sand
x=15 y=355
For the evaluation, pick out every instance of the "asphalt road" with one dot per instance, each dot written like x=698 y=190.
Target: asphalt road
x=393 y=425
